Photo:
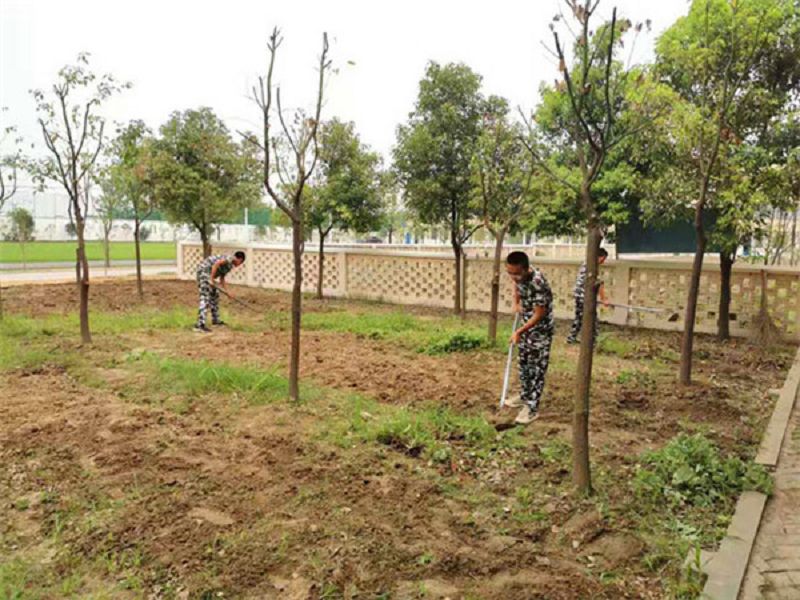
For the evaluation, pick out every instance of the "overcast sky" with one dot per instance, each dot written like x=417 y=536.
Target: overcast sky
x=183 y=54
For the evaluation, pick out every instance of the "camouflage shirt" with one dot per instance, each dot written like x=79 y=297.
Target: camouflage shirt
x=533 y=292
x=222 y=270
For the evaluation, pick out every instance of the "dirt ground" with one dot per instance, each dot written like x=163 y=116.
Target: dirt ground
x=105 y=486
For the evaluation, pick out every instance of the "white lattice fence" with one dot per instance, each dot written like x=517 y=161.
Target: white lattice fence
x=428 y=279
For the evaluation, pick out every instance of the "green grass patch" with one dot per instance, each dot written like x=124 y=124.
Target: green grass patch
x=26 y=343
x=27 y=579
x=101 y=323
x=608 y=343
x=635 y=377
x=684 y=496
x=690 y=472
x=196 y=378
x=38 y=252
x=458 y=342
x=434 y=433
x=433 y=335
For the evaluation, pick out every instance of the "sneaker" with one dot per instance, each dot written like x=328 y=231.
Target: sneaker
x=201 y=329
x=513 y=402
x=525 y=416
x=218 y=323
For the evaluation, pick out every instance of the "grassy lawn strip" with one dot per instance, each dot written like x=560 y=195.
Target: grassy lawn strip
x=438 y=335
x=195 y=379
x=36 y=252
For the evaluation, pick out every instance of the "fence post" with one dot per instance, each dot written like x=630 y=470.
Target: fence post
x=249 y=266
x=344 y=286
x=464 y=282
x=179 y=257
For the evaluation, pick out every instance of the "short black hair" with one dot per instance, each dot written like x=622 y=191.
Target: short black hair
x=602 y=252
x=519 y=259
x=240 y=255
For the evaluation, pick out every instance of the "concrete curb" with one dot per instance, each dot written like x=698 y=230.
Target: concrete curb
x=727 y=567
x=772 y=441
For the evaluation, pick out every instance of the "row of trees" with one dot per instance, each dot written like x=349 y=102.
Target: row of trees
x=710 y=129
x=194 y=171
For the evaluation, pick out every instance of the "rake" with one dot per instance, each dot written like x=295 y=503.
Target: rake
x=507 y=375
x=673 y=316
x=236 y=300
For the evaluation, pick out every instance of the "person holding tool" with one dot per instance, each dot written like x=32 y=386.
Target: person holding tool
x=210 y=272
x=533 y=299
x=580 y=284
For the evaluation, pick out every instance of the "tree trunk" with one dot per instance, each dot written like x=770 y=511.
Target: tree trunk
x=83 y=270
x=106 y=248
x=321 y=264
x=206 y=243
x=725 y=267
x=687 y=343
x=793 y=259
x=581 y=470
x=294 y=361
x=139 y=289
x=457 y=251
x=498 y=255
x=391 y=231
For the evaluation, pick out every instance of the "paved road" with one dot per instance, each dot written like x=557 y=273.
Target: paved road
x=9 y=278
x=774 y=569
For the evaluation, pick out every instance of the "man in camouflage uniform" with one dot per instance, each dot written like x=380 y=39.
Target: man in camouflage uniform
x=209 y=271
x=533 y=299
x=580 y=284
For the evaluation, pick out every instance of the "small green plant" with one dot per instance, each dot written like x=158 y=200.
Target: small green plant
x=635 y=377
x=426 y=559
x=557 y=451
x=609 y=344
x=458 y=342
x=690 y=471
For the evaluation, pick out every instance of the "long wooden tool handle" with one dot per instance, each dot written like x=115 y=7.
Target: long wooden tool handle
x=508 y=365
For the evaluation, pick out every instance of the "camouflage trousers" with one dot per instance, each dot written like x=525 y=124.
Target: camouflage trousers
x=577 y=323
x=534 y=357
x=209 y=298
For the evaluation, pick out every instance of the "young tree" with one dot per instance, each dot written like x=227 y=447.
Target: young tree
x=8 y=162
x=107 y=207
x=8 y=170
x=128 y=177
x=346 y=193
x=434 y=153
x=711 y=58
x=582 y=122
x=199 y=174
x=21 y=230
x=300 y=140
x=395 y=216
x=502 y=174
x=73 y=133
